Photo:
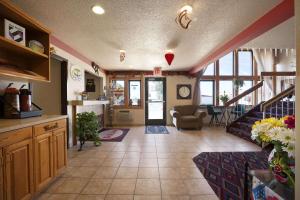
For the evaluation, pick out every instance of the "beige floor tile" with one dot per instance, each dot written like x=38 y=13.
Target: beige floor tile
x=147 y=197
x=112 y=162
x=116 y=154
x=148 y=172
x=53 y=186
x=185 y=163
x=122 y=186
x=97 y=186
x=90 y=197
x=81 y=172
x=148 y=155
x=198 y=187
x=173 y=187
x=130 y=162
x=148 y=162
x=43 y=196
x=132 y=155
x=204 y=197
x=169 y=173
x=148 y=187
x=190 y=173
x=166 y=155
x=175 y=197
x=71 y=186
x=105 y=172
x=127 y=172
x=119 y=197
x=166 y=162
x=62 y=197
x=93 y=162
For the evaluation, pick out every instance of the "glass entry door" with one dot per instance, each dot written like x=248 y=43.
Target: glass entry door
x=155 y=101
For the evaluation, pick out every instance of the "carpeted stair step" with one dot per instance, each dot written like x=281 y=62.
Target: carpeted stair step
x=244 y=134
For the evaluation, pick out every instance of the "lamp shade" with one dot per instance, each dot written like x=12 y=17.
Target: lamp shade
x=169 y=57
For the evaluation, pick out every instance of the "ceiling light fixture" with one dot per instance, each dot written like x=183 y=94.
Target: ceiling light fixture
x=98 y=10
x=122 y=55
x=182 y=18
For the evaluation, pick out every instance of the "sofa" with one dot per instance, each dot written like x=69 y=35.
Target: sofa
x=187 y=117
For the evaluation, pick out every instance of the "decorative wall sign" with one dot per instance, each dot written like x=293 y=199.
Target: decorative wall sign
x=14 y=32
x=76 y=73
x=90 y=85
x=95 y=67
x=184 y=91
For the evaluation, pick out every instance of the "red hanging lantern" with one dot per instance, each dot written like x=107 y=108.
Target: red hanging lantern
x=169 y=57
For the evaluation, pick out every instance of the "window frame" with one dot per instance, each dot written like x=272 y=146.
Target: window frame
x=217 y=77
x=127 y=90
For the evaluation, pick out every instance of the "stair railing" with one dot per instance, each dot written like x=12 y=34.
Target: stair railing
x=280 y=105
x=239 y=109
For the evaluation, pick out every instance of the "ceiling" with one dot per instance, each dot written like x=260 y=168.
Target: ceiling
x=145 y=29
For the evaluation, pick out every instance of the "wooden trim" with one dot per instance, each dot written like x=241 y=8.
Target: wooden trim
x=147 y=73
x=238 y=97
x=274 y=73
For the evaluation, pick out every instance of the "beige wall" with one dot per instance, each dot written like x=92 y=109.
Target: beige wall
x=75 y=86
x=297 y=4
x=138 y=115
x=48 y=95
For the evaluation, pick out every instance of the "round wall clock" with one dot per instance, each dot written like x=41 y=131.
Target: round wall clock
x=184 y=91
x=76 y=73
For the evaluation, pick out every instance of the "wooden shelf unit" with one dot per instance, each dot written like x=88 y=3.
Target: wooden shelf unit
x=18 y=60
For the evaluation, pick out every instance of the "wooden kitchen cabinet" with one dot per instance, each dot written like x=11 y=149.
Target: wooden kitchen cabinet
x=18 y=170
x=43 y=160
x=59 y=149
x=1 y=176
x=31 y=157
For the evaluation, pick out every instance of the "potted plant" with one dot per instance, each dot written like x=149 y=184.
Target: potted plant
x=280 y=133
x=224 y=98
x=87 y=128
x=238 y=83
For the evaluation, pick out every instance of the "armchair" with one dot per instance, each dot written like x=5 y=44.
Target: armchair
x=187 y=116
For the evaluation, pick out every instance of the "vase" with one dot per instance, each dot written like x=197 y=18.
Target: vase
x=282 y=167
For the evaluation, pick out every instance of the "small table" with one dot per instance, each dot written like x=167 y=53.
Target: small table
x=264 y=180
x=225 y=116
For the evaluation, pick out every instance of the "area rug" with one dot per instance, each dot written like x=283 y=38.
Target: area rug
x=156 y=130
x=113 y=134
x=224 y=171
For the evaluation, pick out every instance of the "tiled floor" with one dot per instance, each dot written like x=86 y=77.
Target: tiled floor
x=143 y=167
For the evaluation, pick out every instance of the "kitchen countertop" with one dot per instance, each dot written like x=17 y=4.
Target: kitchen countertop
x=13 y=124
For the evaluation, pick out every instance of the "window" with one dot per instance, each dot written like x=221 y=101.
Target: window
x=226 y=65
x=207 y=92
x=118 y=90
x=245 y=63
x=210 y=70
x=134 y=92
x=247 y=100
x=226 y=88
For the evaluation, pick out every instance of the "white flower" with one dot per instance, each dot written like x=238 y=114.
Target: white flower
x=287 y=136
x=290 y=149
x=274 y=133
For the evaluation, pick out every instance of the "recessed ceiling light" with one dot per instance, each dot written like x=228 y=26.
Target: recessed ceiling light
x=98 y=10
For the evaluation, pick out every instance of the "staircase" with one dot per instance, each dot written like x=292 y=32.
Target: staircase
x=279 y=106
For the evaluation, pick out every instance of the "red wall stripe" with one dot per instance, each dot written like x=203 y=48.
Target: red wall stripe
x=276 y=16
x=57 y=42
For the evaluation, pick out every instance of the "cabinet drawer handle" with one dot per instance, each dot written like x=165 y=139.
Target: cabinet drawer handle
x=48 y=127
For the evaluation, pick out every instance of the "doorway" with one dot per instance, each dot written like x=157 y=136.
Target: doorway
x=155 y=101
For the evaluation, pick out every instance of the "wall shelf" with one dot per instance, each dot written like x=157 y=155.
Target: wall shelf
x=20 y=61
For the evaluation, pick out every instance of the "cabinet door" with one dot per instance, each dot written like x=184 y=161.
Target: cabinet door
x=19 y=170
x=59 y=149
x=43 y=160
x=1 y=176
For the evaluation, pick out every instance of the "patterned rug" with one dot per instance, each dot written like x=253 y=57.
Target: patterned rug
x=156 y=130
x=113 y=134
x=224 y=171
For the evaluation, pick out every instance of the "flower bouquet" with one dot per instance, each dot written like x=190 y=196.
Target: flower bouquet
x=280 y=133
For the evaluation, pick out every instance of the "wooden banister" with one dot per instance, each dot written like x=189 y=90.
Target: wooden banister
x=279 y=96
x=245 y=93
x=278 y=73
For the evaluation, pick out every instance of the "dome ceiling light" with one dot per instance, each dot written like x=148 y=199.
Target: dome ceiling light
x=183 y=18
x=122 y=55
x=98 y=10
